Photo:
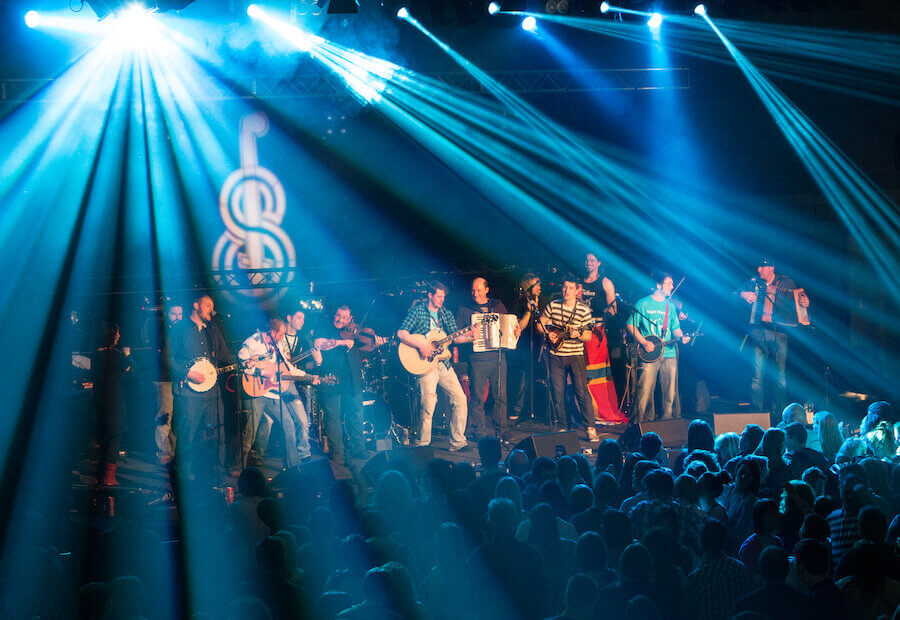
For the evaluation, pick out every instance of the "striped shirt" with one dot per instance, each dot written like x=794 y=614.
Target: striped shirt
x=567 y=318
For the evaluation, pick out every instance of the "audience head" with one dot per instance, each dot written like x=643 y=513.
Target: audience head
x=658 y=485
x=376 y=587
x=508 y=488
x=815 y=526
x=825 y=427
x=501 y=518
x=551 y=493
x=249 y=608
x=93 y=599
x=517 y=463
x=881 y=441
x=795 y=437
x=331 y=604
x=450 y=540
x=750 y=438
x=773 y=565
x=709 y=460
x=581 y=596
x=126 y=598
x=883 y=410
x=605 y=489
x=711 y=485
x=269 y=512
x=873 y=524
x=650 y=445
x=713 y=538
x=590 y=553
x=463 y=475
x=765 y=516
x=815 y=478
x=812 y=560
x=489 y=451
x=580 y=498
x=852 y=449
x=726 y=447
x=543 y=468
x=868 y=423
x=271 y=558
x=544 y=529
x=797 y=497
x=687 y=490
x=700 y=436
x=636 y=565
x=772 y=446
x=567 y=471
x=748 y=476
x=641 y=469
x=793 y=413
x=617 y=531
x=609 y=458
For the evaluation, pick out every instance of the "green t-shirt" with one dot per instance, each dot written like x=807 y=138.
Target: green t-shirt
x=656 y=310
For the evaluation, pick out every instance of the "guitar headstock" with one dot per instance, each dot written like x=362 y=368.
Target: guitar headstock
x=328 y=380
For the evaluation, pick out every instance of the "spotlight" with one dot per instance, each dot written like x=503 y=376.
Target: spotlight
x=493 y=8
x=604 y=7
x=254 y=11
x=105 y=8
x=529 y=24
x=402 y=13
x=700 y=10
x=32 y=19
x=655 y=21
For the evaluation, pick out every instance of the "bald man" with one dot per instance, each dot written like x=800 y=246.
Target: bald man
x=487 y=368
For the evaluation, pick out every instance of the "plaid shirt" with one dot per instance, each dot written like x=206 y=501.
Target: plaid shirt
x=712 y=590
x=844 y=533
x=418 y=321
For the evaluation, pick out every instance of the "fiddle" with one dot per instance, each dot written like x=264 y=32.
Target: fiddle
x=365 y=337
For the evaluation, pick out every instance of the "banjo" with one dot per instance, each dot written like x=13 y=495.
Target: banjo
x=210 y=372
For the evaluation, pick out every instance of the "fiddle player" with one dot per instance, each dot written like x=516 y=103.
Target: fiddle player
x=343 y=400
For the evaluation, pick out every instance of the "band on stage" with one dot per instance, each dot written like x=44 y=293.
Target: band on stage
x=571 y=353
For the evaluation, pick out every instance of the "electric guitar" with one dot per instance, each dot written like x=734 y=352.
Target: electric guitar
x=411 y=358
x=557 y=335
x=256 y=386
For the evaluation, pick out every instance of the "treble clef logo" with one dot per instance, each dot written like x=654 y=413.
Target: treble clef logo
x=252 y=204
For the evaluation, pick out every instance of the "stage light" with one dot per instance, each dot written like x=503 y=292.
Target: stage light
x=604 y=7
x=493 y=8
x=254 y=11
x=402 y=13
x=529 y=24
x=700 y=10
x=32 y=19
x=655 y=21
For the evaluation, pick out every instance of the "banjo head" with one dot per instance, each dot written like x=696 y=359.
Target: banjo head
x=208 y=370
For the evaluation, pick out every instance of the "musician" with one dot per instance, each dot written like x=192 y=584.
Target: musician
x=194 y=412
x=655 y=315
x=263 y=353
x=343 y=400
x=568 y=317
x=485 y=367
x=773 y=309
x=421 y=319
x=299 y=343
x=521 y=359
x=165 y=438
x=598 y=291
x=111 y=363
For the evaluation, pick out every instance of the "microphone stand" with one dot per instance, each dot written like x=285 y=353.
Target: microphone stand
x=630 y=394
x=279 y=359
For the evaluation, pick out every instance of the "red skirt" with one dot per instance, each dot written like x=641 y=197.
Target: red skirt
x=600 y=381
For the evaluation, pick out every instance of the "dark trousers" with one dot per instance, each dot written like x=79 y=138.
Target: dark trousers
x=198 y=420
x=484 y=372
x=347 y=406
x=769 y=360
x=560 y=366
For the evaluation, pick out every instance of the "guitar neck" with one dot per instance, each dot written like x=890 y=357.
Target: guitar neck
x=450 y=338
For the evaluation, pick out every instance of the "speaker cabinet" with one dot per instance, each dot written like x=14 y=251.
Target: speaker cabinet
x=735 y=422
x=553 y=445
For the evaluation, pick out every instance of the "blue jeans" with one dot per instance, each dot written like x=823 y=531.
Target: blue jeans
x=665 y=368
x=294 y=426
x=769 y=358
x=198 y=419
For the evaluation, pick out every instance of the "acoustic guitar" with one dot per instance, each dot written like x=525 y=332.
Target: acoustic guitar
x=411 y=358
x=256 y=386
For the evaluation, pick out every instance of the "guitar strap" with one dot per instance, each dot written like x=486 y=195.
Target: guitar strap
x=665 y=325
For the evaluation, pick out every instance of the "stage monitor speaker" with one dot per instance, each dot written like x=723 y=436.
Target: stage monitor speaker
x=735 y=422
x=319 y=470
x=553 y=445
x=672 y=432
x=416 y=458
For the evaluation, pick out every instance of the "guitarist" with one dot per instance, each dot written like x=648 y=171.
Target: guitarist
x=421 y=319
x=263 y=352
x=564 y=323
x=199 y=336
x=342 y=401
x=656 y=316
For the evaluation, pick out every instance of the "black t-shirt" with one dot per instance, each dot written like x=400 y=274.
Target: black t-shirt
x=464 y=318
x=343 y=364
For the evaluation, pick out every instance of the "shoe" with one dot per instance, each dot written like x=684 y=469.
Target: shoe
x=464 y=448
x=513 y=417
x=593 y=437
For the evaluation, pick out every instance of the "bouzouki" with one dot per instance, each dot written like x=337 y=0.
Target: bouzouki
x=260 y=385
x=557 y=335
x=411 y=358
